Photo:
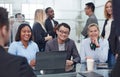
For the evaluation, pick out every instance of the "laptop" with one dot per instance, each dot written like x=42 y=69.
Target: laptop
x=51 y=62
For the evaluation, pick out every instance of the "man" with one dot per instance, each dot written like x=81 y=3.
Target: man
x=62 y=42
x=18 y=21
x=89 y=10
x=11 y=66
x=50 y=23
x=116 y=15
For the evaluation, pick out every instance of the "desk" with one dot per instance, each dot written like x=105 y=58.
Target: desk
x=79 y=68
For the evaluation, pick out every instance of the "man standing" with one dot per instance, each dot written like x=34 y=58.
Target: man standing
x=63 y=43
x=89 y=10
x=11 y=66
x=116 y=15
x=50 y=23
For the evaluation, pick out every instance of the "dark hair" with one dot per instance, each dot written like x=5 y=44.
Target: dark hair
x=65 y=25
x=4 y=18
x=46 y=10
x=17 y=37
x=17 y=14
x=91 y=5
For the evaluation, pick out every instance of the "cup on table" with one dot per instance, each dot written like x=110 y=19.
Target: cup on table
x=90 y=64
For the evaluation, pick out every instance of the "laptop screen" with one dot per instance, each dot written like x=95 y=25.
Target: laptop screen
x=50 y=60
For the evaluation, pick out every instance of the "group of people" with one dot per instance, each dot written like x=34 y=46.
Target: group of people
x=47 y=35
x=101 y=47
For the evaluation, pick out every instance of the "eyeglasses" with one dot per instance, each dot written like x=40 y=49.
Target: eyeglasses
x=64 y=32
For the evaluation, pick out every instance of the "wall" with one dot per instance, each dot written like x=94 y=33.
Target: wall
x=69 y=11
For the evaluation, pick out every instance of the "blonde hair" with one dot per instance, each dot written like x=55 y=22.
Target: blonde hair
x=93 y=25
x=105 y=12
x=39 y=16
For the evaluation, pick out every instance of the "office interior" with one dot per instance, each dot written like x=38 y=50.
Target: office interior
x=69 y=11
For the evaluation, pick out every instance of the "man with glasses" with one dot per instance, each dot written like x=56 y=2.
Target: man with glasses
x=63 y=43
x=89 y=10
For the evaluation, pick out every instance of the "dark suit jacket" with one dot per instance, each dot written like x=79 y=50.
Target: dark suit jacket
x=112 y=38
x=116 y=14
x=14 y=66
x=39 y=36
x=70 y=48
x=49 y=27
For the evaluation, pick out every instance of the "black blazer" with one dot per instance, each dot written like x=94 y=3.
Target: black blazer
x=116 y=14
x=39 y=36
x=112 y=38
x=49 y=27
x=14 y=66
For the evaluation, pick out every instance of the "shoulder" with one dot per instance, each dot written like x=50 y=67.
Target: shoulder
x=32 y=43
x=103 y=40
x=52 y=41
x=15 y=43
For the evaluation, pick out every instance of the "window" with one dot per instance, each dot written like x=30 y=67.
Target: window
x=28 y=10
x=8 y=7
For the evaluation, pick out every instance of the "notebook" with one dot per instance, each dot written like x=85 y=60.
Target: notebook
x=90 y=74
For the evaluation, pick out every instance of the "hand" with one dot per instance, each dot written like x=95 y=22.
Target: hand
x=69 y=62
x=88 y=57
x=116 y=56
x=48 y=37
x=32 y=63
x=95 y=41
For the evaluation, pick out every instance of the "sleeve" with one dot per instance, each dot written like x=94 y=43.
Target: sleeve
x=82 y=52
x=24 y=69
x=37 y=33
x=103 y=51
x=13 y=49
x=103 y=31
x=47 y=47
x=76 y=57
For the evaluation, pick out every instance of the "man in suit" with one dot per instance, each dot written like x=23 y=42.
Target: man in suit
x=116 y=15
x=11 y=66
x=50 y=23
x=89 y=10
x=63 y=43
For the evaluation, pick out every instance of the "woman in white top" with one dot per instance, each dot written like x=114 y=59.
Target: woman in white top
x=94 y=47
x=109 y=33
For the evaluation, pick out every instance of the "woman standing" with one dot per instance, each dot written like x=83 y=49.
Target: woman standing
x=109 y=33
x=40 y=34
x=23 y=44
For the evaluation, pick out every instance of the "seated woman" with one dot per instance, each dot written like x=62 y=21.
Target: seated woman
x=94 y=47
x=23 y=45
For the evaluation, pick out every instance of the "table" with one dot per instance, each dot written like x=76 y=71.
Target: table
x=79 y=68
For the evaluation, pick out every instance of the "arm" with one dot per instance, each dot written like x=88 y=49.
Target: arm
x=103 y=51
x=24 y=69
x=37 y=31
x=82 y=52
x=47 y=47
x=12 y=49
x=76 y=57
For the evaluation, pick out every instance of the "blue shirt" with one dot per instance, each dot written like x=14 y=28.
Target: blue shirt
x=17 y=48
x=99 y=54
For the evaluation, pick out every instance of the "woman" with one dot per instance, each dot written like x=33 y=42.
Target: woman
x=109 y=33
x=40 y=34
x=94 y=47
x=23 y=45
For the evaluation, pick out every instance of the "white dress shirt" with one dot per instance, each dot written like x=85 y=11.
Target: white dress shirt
x=99 y=54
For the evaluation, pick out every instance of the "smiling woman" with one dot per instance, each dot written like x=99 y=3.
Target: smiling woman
x=23 y=45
